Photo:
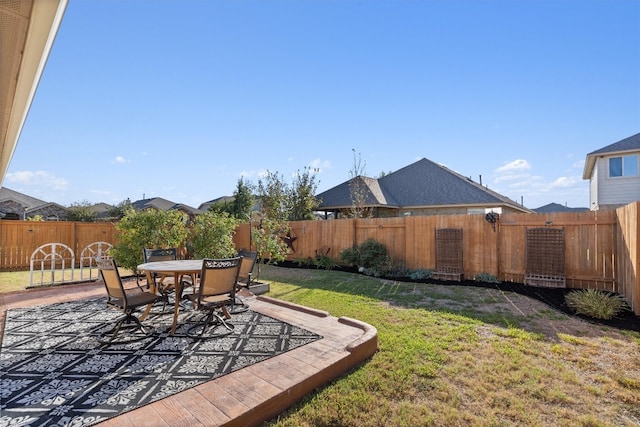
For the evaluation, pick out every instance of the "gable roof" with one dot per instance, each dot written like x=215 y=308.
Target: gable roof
x=557 y=207
x=420 y=184
x=163 y=205
x=27 y=201
x=626 y=145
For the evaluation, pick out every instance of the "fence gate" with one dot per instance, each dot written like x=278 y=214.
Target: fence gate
x=544 y=252
x=449 y=265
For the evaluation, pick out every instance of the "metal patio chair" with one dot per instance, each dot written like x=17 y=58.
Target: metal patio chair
x=215 y=291
x=125 y=300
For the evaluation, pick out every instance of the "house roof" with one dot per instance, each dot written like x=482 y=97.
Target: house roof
x=623 y=146
x=420 y=184
x=163 y=205
x=224 y=199
x=27 y=201
x=557 y=207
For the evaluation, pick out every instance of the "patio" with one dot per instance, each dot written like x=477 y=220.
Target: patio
x=253 y=394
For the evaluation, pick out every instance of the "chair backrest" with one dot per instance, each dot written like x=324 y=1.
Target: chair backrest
x=246 y=266
x=152 y=255
x=111 y=277
x=218 y=277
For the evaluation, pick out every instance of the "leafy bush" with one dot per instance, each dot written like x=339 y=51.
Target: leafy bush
x=150 y=228
x=305 y=262
x=420 y=274
x=325 y=262
x=351 y=256
x=595 y=303
x=487 y=278
x=212 y=235
x=371 y=257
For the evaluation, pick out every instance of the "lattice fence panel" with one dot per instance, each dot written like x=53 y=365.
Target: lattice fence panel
x=545 y=257
x=449 y=262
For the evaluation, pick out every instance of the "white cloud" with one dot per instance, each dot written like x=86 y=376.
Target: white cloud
x=41 y=178
x=120 y=159
x=516 y=165
x=565 y=182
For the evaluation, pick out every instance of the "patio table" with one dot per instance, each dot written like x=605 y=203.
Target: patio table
x=178 y=268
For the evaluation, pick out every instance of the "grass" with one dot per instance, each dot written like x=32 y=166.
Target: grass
x=595 y=303
x=446 y=358
x=454 y=355
x=20 y=280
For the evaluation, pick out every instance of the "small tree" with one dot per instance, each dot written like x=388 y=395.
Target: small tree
x=120 y=210
x=151 y=228
x=303 y=201
x=274 y=197
x=211 y=235
x=81 y=211
x=358 y=189
x=243 y=201
x=269 y=243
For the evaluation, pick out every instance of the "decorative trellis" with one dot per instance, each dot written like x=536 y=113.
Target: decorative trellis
x=545 y=258
x=449 y=265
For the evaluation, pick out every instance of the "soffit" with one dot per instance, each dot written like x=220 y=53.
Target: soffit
x=27 y=31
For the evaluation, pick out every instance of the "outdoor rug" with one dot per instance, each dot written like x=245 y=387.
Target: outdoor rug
x=54 y=372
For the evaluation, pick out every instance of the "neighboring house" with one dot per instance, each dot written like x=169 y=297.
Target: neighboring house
x=101 y=210
x=613 y=174
x=15 y=205
x=228 y=199
x=556 y=207
x=164 y=205
x=422 y=188
x=224 y=199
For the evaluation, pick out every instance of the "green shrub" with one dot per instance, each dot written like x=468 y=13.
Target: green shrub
x=304 y=262
x=420 y=274
x=325 y=262
x=211 y=235
x=487 y=278
x=371 y=257
x=595 y=303
x=150 y=228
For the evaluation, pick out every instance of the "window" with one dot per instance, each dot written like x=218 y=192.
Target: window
x=623 y=166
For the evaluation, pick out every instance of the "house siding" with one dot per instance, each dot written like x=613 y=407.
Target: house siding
x=612 y=192
x=593 y=190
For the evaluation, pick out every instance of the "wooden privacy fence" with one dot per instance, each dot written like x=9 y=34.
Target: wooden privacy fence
x=19 y=239
x=590 y=243
x=600 y=248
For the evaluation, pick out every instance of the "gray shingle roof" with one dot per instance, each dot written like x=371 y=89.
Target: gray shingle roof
x=557 y=207
x=628 y=144
x=23 y=199
x=163 y=205
x=423 y=183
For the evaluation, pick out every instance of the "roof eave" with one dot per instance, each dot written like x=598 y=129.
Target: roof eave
x=42 y=28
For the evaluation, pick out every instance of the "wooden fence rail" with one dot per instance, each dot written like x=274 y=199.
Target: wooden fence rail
x=601 y=247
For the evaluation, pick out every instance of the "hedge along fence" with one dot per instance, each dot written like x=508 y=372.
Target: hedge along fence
x=601 y=247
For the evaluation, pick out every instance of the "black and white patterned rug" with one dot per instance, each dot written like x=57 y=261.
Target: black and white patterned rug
x=53 y=371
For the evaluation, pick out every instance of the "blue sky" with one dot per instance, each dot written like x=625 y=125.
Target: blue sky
x=180 y=99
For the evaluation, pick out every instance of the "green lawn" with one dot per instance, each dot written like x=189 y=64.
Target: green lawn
x=455 y=355
x=20 y=280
